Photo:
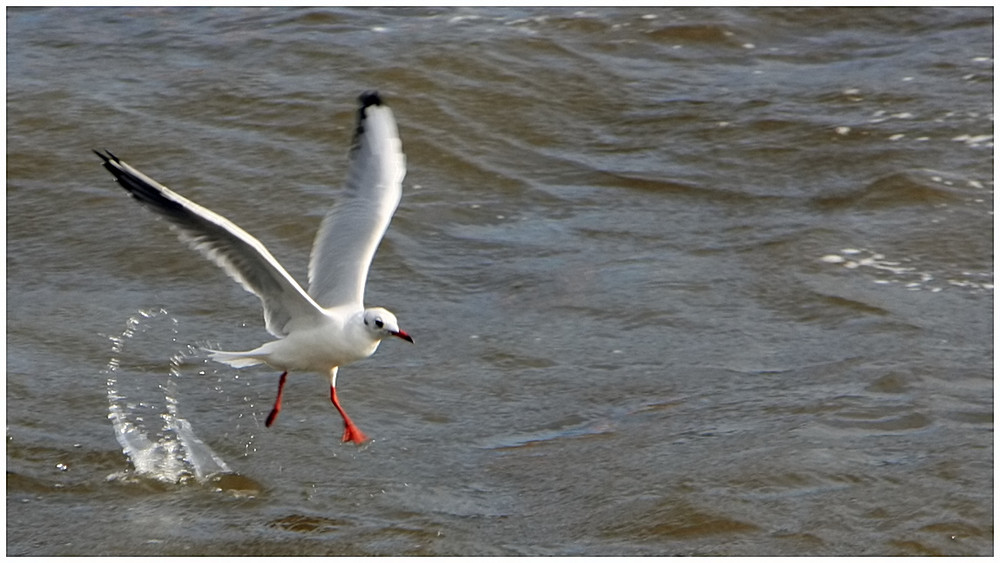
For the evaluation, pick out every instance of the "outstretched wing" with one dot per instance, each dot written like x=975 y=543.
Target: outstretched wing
x=351 y=231
x=242 y=256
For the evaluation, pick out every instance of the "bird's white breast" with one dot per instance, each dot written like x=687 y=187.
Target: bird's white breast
x=338 y=341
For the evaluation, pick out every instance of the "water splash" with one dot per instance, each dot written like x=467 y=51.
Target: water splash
x=144 y=411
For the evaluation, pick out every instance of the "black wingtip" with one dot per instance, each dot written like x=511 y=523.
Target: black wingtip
x=107 y=156
x=367 y=99
x=370 y=98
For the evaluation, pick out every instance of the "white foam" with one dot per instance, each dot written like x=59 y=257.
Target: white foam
x=910 y=277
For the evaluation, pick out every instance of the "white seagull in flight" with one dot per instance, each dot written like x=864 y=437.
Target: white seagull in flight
x=328 y=326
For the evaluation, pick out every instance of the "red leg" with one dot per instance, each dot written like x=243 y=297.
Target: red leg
x=351 y=432
x=277 y=402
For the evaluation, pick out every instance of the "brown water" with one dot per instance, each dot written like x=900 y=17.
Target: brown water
x=682 y=281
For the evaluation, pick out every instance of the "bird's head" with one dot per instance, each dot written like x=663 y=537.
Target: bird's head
x=381 y=323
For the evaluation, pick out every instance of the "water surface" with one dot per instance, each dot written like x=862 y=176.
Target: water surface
x=682 y=281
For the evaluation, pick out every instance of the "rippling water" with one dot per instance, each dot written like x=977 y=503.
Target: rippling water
x=682 y=281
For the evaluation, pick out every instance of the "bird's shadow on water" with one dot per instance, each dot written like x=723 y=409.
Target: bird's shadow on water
x=160 y=444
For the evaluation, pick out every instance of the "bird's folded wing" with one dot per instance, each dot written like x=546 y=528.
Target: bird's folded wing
x=242 y=256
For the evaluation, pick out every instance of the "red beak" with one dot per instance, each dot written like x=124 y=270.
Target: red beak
x=403 y=335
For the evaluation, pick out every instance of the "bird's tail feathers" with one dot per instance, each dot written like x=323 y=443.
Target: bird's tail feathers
x=234 y=359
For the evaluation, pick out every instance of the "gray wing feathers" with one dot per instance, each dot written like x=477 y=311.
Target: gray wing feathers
x=351 y=231
x=240 y=255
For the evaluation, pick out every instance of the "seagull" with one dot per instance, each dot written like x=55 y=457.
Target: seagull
x=328 y=326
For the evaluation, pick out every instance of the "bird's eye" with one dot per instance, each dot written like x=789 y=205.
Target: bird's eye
x=379 y=323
